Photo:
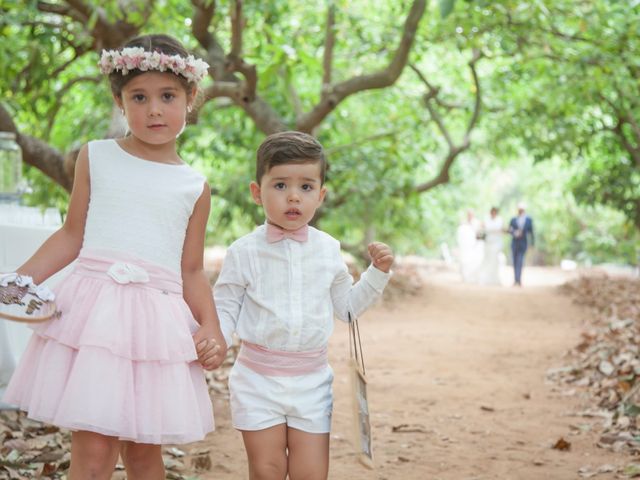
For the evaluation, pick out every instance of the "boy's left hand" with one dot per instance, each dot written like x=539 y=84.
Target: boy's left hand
x=381 y=256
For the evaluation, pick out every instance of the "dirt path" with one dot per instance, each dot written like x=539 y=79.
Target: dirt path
x=464 y=367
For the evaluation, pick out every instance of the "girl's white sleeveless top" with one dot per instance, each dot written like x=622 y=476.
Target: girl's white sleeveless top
x=138 y=206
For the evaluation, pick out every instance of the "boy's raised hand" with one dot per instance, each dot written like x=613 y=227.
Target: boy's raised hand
x=381 y=256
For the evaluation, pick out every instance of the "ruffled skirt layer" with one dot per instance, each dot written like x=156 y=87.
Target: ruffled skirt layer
x=120 y=360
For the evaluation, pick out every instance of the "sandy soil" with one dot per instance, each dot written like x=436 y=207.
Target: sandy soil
x=463 y=369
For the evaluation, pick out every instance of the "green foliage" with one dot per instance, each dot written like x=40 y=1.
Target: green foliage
x=570 y=90
x=446 y=7
x=556 y=78
x=609 y=177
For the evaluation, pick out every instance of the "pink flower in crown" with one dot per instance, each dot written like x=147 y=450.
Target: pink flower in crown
x=172 y=63
x=105 y=62
x=146 y=63
x=165 y=63
x=132 y=57
x=153 y=61
x=120 y=63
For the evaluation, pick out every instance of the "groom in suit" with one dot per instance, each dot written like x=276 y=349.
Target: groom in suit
x=520 y=228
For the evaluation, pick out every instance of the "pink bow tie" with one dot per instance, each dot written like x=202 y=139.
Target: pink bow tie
x=275 y=234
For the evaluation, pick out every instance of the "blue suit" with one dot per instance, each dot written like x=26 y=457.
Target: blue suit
x=519 y=244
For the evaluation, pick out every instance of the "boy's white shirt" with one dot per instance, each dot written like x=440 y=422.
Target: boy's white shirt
x=284 y=295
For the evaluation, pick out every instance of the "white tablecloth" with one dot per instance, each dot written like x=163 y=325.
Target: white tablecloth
x=17 y=244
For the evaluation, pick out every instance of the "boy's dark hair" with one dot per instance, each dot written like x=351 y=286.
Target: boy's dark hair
x=151 y=43
x=289 y=147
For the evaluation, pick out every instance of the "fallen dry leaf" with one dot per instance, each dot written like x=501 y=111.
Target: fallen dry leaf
x=606 y=362
x=562 y=445
x=406 y=428
x=201 y=462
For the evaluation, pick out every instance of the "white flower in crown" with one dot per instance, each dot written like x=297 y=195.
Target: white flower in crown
x=137 y=58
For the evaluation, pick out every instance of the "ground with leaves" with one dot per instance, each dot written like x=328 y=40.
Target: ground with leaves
x=460 y=386
x=465 y=382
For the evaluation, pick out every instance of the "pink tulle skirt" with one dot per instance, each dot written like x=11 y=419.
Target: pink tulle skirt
x=120 y=360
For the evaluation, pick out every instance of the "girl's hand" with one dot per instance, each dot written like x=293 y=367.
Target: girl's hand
x=211 y=348
x=381 y=256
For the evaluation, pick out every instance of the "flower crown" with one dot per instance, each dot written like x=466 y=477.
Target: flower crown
x=137 y=58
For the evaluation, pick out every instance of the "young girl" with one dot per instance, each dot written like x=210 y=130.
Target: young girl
x=279 y=289
x=118 y=367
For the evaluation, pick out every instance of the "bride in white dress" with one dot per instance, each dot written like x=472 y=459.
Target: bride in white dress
x=493 y=228
x=469 y=247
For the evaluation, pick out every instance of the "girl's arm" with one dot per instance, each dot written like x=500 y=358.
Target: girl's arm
x=63 y=246
x=196 y=288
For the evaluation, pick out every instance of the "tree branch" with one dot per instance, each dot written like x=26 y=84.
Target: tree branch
x=635 y=128
x=37 y=153
x=295 y=98
x=80 y=7
x=633 y=151
x=384 y=78
x=477 y=55
x=265 y=118
x=202 y=16
x=79 y=51
x=436 y=90
x=223 y=89
x=361 y=141
x=329 y=44
x=53 y=112
x=234 y=61
x=618 y=129
x=443 y=175
x=224 y=66
x=104 y=34
x=432 y=93
x=237 y=24
x=454 y=150
x=61 y=10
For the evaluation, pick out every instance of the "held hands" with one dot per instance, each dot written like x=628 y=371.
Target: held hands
x=210 y=346
x=381 y=256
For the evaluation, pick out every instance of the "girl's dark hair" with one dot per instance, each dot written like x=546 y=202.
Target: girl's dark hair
x=289 y=147
x=151 y=43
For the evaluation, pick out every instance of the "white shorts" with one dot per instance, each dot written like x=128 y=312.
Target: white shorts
x=303 y=402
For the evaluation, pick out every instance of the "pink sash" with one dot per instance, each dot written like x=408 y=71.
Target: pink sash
x=278 y=363
x=126 y=269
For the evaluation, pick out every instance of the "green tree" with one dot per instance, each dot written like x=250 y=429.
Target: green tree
x=490 y=84
x=53 y=51
x=566 y=84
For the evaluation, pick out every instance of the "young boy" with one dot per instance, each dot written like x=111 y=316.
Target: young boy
x=279 y=289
